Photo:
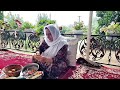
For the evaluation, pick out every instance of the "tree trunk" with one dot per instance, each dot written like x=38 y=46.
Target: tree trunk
x=1 y=15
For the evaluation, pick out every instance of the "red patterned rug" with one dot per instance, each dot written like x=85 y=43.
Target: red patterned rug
x=81 y=71
x=85 y=72
x=9 y=57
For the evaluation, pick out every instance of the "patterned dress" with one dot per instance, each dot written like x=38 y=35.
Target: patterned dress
x=60 y=62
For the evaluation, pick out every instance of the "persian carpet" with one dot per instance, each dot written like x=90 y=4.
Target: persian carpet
x=85 y=72
x=81 y=71
x=9 y=57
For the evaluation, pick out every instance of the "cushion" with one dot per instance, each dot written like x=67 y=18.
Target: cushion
x=72 y=50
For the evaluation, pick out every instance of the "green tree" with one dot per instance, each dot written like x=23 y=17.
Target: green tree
x=43 y=20
x=95 y=25
x=27 y=25
x=106 y=17
x=10 y=19
x=116 y=16
x=1 y=15
x=67 y=29
x=4 y=25
x=78 y=25
x=1 y=24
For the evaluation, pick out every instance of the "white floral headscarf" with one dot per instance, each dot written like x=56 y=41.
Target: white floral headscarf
x=58 y=41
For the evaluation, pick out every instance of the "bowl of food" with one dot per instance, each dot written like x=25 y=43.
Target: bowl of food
x=13 y=70
x=29 y=70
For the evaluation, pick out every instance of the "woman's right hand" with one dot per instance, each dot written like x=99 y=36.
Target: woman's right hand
x=37 y=57
x=40 y=58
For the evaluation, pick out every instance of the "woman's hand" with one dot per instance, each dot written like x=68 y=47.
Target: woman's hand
x=43 y=59
x=38 y=57
x=48 y=61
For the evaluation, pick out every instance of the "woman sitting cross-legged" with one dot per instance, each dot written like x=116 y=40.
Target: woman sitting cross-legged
x=52 y=57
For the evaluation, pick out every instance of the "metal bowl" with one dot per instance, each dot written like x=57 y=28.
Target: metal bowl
x=29 y=66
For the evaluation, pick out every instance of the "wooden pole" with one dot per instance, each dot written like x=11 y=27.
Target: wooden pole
x=89 y=34
x=88 y=39
x=0 y=40
x=79 y=18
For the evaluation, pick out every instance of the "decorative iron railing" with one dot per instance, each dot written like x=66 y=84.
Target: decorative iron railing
x=25 y=41
x=104 y=49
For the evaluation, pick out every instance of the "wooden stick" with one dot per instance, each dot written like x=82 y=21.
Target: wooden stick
x=89 y=35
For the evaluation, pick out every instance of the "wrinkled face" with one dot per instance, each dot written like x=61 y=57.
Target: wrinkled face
x=49 y=35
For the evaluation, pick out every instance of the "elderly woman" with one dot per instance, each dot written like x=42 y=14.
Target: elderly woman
x=52 y=56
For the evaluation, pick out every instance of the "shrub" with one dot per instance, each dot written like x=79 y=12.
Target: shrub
x=78 y=25
x=27 y=25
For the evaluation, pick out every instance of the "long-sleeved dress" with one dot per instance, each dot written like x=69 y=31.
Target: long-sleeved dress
x=60 y=61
